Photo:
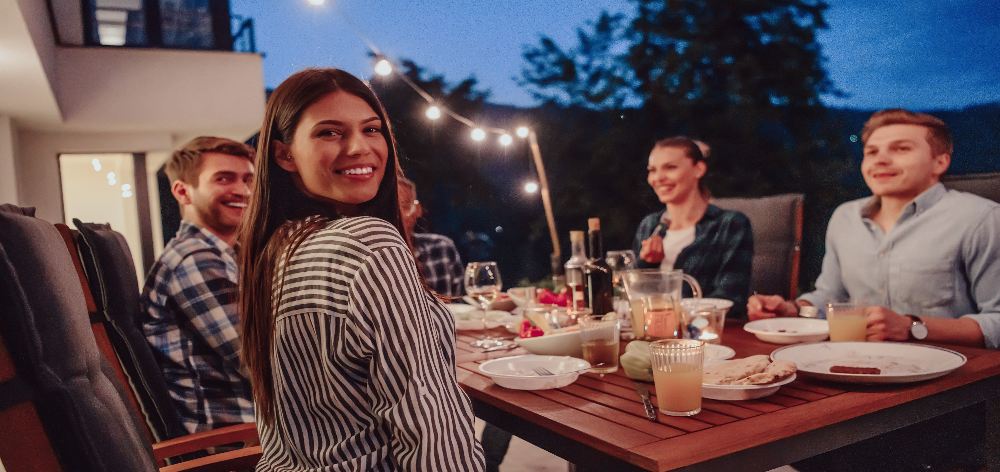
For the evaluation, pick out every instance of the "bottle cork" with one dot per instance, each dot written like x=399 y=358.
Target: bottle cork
x=593 y=224
x=576 y=236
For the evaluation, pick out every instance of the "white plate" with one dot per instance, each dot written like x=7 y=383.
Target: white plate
x=516 y=372
x=718 y=352
x=719 y=303
x=470 y=319
x=789 y=330
x=899 y=362
x=742 y=392
x=566 y=343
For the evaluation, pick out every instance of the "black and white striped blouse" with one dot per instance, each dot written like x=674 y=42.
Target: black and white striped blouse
x=364 y=362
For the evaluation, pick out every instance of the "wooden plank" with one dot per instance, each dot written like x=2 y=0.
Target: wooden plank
x=685 y=423
x=637 y=422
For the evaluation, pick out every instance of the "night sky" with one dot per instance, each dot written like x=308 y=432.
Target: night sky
x=922 y=54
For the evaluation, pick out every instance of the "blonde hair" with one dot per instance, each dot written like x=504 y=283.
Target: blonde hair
x=938 y=134
x=185 y=162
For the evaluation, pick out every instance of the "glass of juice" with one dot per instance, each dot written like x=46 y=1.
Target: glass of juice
x=600 y=337
x=847 y=321
x=677 y=375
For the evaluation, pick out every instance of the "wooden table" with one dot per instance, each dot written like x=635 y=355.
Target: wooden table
x=598 y=421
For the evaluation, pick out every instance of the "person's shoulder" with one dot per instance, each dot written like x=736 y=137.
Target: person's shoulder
x=188 y=248
x=432 y=239
x=970 y=202
x=733 y=217
x=851 y=208
x=651 y=219
x=370 y=232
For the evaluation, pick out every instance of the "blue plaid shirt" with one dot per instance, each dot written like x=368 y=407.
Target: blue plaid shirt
x=719 y=258
x=190 y=321
x=439 y=263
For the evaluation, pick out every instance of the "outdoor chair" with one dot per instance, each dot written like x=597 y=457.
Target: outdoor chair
x=61 y=405
x=985 y=185
x=777 y=240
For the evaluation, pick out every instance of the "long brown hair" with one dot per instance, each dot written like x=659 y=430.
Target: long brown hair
x=264 y=236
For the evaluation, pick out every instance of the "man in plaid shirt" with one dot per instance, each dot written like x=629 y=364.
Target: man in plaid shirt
x=436 y=255
x=189 y=299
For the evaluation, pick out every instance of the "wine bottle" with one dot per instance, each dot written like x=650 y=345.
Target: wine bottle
x=575 y=278
x=597 y=273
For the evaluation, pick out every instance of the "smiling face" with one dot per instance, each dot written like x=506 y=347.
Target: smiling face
x=899 y=163
x=338 y=152
x=673 y=175
x=217 y=200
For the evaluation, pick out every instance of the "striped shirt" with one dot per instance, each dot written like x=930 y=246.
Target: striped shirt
x=364 y=361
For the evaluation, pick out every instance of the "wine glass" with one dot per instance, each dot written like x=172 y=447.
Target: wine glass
x=483 y=284
x=619 y=261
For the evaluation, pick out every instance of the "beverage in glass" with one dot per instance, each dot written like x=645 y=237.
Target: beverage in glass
x=677 y=375
x=847 y=321
x=703 y=320
x=662 y=316
x=654 y=296
x=483 y=284
x=600 y=338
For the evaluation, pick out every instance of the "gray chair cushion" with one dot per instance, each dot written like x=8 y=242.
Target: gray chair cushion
x=108 y=263
x=985 y=185
x=777 y=236
x=45 y=326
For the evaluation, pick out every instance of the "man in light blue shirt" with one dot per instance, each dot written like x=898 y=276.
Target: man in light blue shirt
x=925 y=259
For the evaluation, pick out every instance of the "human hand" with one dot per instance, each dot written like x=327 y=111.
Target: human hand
x=887 y=325
x=651 y=250
x=769 y=306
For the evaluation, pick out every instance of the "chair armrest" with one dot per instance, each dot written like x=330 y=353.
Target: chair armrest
x=239 y=459
x=239 y=433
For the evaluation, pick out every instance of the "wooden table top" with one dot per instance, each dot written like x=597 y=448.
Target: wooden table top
x=603 y=413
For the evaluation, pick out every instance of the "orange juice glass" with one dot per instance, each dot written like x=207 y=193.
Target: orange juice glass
x=677 y=375
x=847 y=321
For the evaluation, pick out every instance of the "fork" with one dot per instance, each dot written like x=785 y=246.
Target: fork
x=542 y=371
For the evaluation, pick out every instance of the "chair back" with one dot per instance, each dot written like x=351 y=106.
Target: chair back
x=108 y=264
x=777 y=239
x=985 y=185
x=44 y=327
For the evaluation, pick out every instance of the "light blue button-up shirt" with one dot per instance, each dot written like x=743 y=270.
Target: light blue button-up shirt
x=942 y=258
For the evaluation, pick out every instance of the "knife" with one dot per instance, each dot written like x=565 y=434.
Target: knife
x=643 y=392
x=502 y=347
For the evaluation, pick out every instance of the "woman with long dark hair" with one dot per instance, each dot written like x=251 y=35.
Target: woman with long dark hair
x=351 y=359
x=713 y=245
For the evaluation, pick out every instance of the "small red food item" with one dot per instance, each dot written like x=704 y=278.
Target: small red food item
x=547 y=297
x=529 y=330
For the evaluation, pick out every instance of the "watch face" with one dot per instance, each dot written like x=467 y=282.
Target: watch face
x=918 y=330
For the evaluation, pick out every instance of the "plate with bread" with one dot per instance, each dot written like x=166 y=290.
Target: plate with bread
x=871 y=362
x=745 y=379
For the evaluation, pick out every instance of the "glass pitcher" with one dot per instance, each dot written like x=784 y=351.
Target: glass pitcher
x=655 y=299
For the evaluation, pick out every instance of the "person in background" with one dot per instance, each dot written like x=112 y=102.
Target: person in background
x=351 y=358
x=189 y=312
x=924 y=256
x=436 y=254
x=713 y=245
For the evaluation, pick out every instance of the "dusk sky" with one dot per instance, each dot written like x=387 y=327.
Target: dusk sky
x=921 y=54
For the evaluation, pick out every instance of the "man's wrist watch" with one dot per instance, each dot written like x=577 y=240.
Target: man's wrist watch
x=918 y=330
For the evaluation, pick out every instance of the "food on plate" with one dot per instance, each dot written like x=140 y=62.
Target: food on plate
x=635 y=361
x=547 y=297
x=529 y=330
x=846 y=369
x=753 y=370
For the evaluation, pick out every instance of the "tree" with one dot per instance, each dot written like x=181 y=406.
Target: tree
x=746 y=76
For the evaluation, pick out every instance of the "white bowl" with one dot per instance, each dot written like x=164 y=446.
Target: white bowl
x=566 y=343
x=789 y=330
x=517 y=372
x=718 y=303
x=467 y=319
x=742 y=392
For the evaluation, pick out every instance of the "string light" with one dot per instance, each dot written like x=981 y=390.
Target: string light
x=505 y=139
x=530 y=187
x=433 y=112
x=478 y=134
x=383 y=67
x=96 y=163
x=522 y=131
x=317 y=3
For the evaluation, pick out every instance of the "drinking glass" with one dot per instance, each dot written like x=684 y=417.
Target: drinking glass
x=847 y=321
x=677 y=375
x=703 y=320
x=483 y=284
x=600 y=338
x=619 y=261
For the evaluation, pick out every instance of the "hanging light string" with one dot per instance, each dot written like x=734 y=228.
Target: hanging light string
x=435 y=109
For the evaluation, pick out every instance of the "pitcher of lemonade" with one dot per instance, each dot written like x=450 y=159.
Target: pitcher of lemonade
x=655 y=299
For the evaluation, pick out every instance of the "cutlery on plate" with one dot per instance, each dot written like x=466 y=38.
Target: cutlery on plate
x=502 y=347
x=542 y=371
x=647 y=404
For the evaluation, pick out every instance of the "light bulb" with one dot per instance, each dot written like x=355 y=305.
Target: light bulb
x=522 y=131
x=317 y=3
x=505 y=139
x=433 y=112
x=383 y=67
x=478 y=134
x=96 y=163
x=530 y=187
